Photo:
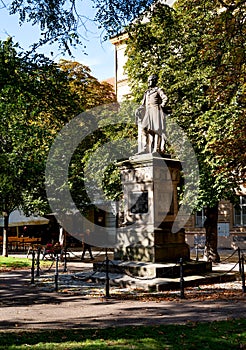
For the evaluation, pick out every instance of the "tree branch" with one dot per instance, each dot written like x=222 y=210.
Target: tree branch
x=4 y=5
x=232 y=7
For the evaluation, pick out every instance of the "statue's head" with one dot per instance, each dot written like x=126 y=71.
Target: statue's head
x=152 y=80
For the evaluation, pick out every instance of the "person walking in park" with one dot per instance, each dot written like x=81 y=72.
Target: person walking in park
x=86 y=246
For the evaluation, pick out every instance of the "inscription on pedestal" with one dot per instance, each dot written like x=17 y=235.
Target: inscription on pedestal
x=138 y=202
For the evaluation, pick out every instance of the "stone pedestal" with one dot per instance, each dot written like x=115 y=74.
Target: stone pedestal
x=150 y=206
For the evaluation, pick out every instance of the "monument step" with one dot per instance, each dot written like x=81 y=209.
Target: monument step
x=154 y=270
x=161 y=284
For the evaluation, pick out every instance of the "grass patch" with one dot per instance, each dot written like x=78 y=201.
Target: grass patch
x=215 y=335
x=11 y=263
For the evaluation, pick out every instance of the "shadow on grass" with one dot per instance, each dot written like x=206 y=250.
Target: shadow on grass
x=215 y=335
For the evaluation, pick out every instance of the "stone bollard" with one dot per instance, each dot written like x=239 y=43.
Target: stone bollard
x=56 y=272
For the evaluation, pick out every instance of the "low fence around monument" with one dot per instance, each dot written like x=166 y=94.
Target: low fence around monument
x=58 y=270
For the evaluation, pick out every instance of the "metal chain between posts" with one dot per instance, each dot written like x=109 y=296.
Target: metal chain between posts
x=197 y=247
x=150 y=278
x=241 y=260
x=38 y=267
x=223 y=274
x=69 y=251
x=48 y=270
x=76 y=256
x=182 y=294
x=107 y=280
x=123 y=270
x=91 y=275
x=227 y=258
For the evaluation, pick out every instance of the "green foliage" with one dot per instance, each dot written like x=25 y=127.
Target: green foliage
x=37 y=98
x=88 y=90
x=197 y=51
x=35 y=102
x=17 y=263
x=94 y=162
x=114 y=15
x=14 y=263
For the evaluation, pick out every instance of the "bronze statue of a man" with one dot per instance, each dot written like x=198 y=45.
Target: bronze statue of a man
x=151 y=119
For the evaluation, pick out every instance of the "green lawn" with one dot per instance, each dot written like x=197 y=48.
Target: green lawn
x=12 y=262
x=216 y=335
x=223 y=335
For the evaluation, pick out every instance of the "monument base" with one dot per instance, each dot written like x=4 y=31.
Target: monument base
x=155 y=270
x=150 y=202
x=167 y=248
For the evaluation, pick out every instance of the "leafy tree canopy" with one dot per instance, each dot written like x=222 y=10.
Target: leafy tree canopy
x=88 y=90
x=35 y=102
x=37 y=98
x=198 y=51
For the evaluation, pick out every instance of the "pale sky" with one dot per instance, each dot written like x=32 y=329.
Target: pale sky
x=99 y=55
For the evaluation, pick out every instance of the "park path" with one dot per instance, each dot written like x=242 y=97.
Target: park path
x=26 y=306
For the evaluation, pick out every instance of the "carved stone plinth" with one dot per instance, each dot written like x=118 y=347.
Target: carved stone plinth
x=150 y=208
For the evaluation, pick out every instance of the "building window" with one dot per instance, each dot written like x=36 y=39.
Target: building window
x=200 y=218
x=240 y=212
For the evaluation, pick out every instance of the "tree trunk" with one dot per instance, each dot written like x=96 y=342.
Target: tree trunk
x=211 y=227
x=5 y=235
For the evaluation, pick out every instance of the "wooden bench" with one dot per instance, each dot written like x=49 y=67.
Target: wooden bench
x=21 y=243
